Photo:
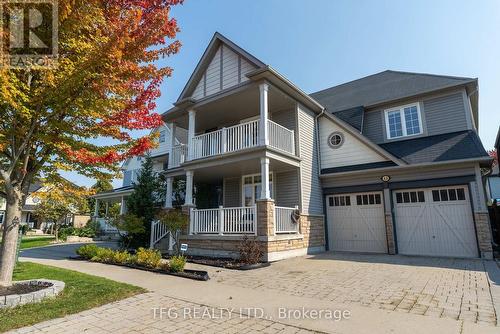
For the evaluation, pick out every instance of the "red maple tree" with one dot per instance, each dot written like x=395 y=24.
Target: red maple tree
x=105 y=86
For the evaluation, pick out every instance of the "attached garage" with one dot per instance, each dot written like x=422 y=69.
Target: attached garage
x=435 y=222
x=356 y=222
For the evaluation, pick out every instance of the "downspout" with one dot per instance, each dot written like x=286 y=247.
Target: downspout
x=318 y=151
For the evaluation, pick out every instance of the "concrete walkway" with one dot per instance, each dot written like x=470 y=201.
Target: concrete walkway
x=244 y=305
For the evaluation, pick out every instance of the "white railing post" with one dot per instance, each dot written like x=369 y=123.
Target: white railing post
x=293 y=142
x=221 y=220
x=191 y=221
x=224 y=140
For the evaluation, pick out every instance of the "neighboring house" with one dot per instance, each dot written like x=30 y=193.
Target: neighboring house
x=390 y=163
x=131 y=169
x=493 y=184
x=28 y=216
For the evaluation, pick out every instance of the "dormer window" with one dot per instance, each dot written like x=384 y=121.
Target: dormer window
x=403 y=121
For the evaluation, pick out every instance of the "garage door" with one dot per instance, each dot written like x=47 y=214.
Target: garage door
x=435 y=222
x=356 y=222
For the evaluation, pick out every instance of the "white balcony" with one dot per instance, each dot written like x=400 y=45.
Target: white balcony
x=240 y=137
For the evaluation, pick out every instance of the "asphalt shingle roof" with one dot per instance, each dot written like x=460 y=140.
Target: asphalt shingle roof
x=443 y=147
x=381 y=87
x=353 y=116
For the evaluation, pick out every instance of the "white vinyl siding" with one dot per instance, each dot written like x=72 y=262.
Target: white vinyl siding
x=312 y=197
x=199 y=91
x=226 y=69
x=229 y=68
x=213 y=74
x=352 y=151
x=286 y=187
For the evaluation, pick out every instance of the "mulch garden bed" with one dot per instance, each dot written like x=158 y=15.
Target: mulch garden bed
x=199 y=275
x=22 y=288
x=226 y=263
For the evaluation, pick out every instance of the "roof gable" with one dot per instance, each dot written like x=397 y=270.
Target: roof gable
x=372 y=153
x=383 y=87
x=222 y=65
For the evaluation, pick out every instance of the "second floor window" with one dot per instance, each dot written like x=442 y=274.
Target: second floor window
x=403 y=121
x=162 y=136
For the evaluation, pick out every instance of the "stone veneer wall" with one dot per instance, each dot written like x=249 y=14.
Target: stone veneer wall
x=310 y=240
x=483 y=234
x=389 y=231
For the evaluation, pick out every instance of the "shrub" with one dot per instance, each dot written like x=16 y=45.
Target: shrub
x=87 y=251
x=94 y=225
x=121 y=257
x=105 y=255
x=84 y=232
x=79 y=232
x=177 y=263
x=150 y=258
x=65 y=231
x=250 y=252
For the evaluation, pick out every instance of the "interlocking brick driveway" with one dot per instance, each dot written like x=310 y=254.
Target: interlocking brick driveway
x=138 y=315
x=434 y=287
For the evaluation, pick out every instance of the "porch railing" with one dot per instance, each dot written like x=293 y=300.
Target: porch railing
x=105 y=226
x=284 y=220
x=158 y=232
x=179 y=155
x=281 y=138
x=240 y=137
x=238 y=220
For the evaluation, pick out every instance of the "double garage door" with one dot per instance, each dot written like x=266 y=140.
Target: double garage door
x=428 y=221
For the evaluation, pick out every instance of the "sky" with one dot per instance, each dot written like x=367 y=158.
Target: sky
x=322 y=43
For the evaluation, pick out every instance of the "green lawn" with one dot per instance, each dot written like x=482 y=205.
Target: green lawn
x=30 y=242
x=82 y=292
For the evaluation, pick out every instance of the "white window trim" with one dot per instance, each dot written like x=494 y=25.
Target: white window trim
x=257 y=196
x=403 y=121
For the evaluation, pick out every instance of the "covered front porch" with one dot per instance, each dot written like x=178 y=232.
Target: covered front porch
x=106 y=202
x=255 y=194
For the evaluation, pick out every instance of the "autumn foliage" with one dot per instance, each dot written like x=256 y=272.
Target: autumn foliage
x=81 y=115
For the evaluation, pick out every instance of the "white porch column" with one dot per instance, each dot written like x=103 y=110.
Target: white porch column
x=123 y=206
x=189 y=188
x=191 y=132
x=264 y=173
x=96 y=208
x=172 y=128
x=168 y=195
x=264 y=113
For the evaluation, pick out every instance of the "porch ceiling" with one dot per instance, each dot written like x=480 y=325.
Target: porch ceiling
x=231 y=109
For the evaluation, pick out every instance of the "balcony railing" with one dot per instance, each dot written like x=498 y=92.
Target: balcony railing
x=179 y=155
x=240 y=137
x=285 y=220
x=281 y=138
x=238 y=220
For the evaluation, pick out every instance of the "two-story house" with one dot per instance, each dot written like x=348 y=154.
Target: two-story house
x=390 y=163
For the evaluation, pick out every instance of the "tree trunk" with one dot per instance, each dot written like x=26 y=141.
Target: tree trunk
x=10 y=235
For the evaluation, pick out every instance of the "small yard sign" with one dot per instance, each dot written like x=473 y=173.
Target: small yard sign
x=184 y=247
